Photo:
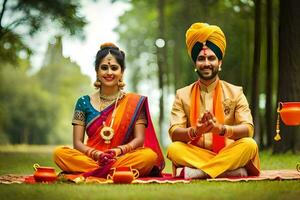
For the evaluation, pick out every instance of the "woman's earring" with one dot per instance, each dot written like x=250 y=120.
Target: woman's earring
x=97 y=83
x=121 y=84
x=220 y=69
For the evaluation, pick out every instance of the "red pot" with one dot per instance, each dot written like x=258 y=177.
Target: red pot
x=44 y=174
x=290 y=113
x=123 y=175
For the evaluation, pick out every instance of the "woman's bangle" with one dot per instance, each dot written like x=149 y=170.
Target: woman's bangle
x=89 y=151
x=125 y=148
x=119 y=147
x=92 y=153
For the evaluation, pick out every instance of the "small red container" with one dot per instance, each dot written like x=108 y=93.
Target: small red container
x=290 y=113
x=44 y=174
x=123 y=175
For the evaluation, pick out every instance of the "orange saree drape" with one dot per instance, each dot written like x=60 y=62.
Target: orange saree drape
x=128 y=111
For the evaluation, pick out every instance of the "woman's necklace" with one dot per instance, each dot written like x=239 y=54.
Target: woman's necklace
x=107 y=132
x=106 y=100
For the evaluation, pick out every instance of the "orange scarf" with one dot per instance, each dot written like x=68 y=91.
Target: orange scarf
x=218 y=142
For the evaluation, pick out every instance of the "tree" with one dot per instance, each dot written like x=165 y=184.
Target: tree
x=63 y=80
x=20 y=19
x=289 y=69
x=161 y=61
x=269 y=75
x=29 y=111
x=256 y=68
x=146 y=21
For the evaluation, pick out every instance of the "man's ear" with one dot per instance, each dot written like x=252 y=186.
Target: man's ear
x=220 y=63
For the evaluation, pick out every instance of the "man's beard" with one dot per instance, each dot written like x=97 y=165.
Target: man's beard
x=213 y=74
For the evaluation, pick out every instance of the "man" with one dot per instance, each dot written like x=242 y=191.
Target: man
x=211 y=124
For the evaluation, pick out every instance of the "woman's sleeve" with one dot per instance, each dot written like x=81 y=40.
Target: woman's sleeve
x=79 y=113
x=142 y=119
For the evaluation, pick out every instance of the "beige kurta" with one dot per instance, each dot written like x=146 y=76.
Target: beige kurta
x=235 y=105
x=240 y=150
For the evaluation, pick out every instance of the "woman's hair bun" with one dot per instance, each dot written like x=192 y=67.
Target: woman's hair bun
x=108 y=45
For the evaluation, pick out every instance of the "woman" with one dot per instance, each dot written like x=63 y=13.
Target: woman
x=118 y=125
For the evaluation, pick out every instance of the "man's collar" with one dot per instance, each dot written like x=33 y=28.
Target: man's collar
x=209 y=88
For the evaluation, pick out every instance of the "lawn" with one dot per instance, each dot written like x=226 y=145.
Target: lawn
x=19 y=160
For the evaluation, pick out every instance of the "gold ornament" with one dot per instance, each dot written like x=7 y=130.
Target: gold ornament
x=97 y=83
x=277 y=136
x=109 y=97
x=107 y=132
x=121 y=84
x=109 y=56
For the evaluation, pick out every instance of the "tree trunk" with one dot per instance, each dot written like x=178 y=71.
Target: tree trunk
x=161 y=64
x=269 y=76
x=289 y=69
x=255 y=71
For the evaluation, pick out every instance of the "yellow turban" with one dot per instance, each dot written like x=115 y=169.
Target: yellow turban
x=212 y=36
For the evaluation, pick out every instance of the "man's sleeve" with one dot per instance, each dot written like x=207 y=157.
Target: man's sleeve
x=178 y=117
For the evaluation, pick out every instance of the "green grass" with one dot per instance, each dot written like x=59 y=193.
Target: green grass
x=19 y=160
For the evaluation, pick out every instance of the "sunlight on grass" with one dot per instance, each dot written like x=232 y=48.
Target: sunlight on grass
x=25 y=148
x=18 y=159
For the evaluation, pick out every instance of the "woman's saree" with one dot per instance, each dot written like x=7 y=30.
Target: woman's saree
x=127 y=112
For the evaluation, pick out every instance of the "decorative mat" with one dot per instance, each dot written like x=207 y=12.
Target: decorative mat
x=29 y=179
x=286 y=174
x=12 y=178
x=166 y=178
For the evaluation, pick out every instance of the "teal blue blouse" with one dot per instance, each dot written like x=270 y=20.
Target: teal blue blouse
x=84 y=111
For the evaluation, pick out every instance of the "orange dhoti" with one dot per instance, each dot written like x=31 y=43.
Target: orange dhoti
x=241 y=153
x=71 y=160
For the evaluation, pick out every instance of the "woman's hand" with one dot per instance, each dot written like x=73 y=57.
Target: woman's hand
x=107 y=157
x=115 y=151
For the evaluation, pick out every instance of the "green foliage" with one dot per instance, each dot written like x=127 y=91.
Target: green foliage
x=38 y=109
x=138 y=32
x=63 y=80
x=138 y=37
x=27 y=111
x=23 y=18
x=12 y=47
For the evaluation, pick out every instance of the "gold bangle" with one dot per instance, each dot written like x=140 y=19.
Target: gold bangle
x=229 y=131
x=223 y=130
x=89 y=151
x=120 y=147
x=191 y=133
x=93 y=154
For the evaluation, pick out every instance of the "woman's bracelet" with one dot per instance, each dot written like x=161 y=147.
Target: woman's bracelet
x=125 y=148
x=88 y=152
x=92 y=153
x=119 y=147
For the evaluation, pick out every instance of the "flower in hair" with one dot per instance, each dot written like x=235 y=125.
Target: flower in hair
x=108 y=44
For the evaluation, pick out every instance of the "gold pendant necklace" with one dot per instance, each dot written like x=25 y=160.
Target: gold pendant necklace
x=107 y=132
